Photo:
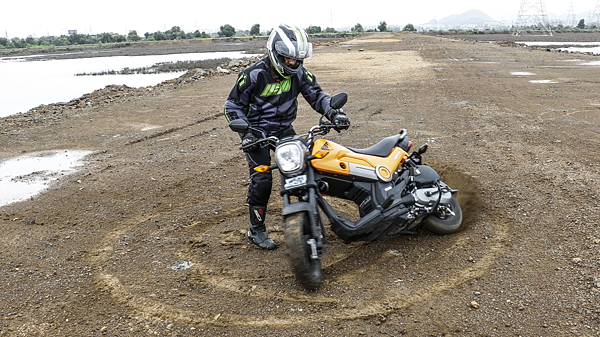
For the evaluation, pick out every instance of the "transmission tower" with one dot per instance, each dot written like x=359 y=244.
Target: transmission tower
x=595 y=19
x=532 y=13
x=571 y=19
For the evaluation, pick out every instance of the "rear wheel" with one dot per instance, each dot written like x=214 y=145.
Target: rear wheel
x=446 y=220
x=296 y=232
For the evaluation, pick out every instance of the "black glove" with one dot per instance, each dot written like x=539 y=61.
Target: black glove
x=249 y=138
x=340 y=119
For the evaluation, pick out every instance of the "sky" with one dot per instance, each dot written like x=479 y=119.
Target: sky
x=55 y=17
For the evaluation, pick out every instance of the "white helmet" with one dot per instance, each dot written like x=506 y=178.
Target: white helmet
x=288 y=41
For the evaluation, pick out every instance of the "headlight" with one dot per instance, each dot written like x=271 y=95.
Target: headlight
x=290 y=157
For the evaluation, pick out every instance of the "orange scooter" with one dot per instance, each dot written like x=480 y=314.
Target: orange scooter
x=394 y=192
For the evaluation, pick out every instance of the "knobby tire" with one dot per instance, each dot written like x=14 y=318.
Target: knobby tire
x=450 y=224
x=296 y=231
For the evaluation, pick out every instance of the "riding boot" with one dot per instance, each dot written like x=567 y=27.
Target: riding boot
x=257 y=233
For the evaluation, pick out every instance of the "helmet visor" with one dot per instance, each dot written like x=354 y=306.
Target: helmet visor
x=294 y=50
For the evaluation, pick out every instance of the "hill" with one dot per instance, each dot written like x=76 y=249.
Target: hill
x=471 y=17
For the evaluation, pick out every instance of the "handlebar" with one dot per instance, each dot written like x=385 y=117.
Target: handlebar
x=263 y=142
x=322 y=129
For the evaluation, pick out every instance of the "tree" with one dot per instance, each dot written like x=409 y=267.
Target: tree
x=158 y=36
x=330 y=30
x=119 y=38
x=227 y=31
x=106 y=38
x=358 y=28
x=581 y=24
x=133 y=36
x=61 y=41
x=409 y=28
x=18 y=43
x=30 y=40
x=202 y=35
x=175 y=33
x=382 y=26
x=313 y=30
x=79 y=39
x=255 y=30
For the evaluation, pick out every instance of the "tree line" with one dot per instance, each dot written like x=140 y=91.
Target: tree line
x=175 y=33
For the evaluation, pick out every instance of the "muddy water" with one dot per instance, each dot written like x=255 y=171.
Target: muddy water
x=25 y=84
x=25 y=176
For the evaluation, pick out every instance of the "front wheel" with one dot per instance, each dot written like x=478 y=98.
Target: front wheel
x=296 y=232
x=446 y=220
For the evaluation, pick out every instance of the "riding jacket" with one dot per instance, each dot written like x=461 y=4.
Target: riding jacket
x=269 y=103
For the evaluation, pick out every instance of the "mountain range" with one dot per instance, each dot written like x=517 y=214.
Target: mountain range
x=473 y=16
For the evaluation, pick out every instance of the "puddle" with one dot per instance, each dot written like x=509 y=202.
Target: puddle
x=28 y=175
x=542 y=81
x=522 y=73
x=182 y=265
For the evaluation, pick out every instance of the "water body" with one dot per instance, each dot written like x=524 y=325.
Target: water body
x=25 y=84
x=572 y=47
x=23 y=177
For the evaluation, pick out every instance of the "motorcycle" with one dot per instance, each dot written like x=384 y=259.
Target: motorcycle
x=395 y=192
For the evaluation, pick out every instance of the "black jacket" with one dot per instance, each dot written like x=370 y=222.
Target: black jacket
x=270 y=104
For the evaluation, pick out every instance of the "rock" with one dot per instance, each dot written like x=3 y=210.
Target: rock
x=201 y=72
x=474 y=305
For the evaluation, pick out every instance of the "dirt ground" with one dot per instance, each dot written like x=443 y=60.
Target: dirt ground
x=148 y=238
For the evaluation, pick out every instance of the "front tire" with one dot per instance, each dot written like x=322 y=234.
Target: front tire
x=445 y=223
x=296 y=232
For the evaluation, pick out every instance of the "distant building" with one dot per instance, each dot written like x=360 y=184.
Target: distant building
x=72 y=32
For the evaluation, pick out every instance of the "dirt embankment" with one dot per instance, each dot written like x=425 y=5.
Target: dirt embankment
x=149 y=237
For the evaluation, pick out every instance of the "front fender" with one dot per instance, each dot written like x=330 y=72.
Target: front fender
x=300 y=206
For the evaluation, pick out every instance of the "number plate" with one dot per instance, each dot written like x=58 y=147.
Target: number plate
x=295 y=182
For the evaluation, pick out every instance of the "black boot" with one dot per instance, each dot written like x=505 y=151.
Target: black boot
x=257 y=233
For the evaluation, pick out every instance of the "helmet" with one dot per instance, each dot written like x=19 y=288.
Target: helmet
x=288 y=41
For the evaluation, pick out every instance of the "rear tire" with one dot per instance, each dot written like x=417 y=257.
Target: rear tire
x=296 y=232
x=448 y=223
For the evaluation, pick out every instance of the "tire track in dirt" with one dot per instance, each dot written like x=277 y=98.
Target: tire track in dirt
x=210 y=281
x=361 y=280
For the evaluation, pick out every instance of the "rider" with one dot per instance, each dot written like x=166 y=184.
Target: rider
x=266 y=96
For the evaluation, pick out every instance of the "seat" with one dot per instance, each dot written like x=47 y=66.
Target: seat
x=381 y=149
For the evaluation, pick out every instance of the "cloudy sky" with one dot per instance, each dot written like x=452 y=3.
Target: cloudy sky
x=55 y=17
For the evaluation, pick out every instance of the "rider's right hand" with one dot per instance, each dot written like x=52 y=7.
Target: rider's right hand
x=249 y=138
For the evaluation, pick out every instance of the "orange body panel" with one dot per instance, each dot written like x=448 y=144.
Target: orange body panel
x=341 y=160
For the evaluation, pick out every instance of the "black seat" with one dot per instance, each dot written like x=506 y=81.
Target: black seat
x=381 y=149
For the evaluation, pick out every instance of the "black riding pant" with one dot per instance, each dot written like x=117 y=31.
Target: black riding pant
x=261 y=184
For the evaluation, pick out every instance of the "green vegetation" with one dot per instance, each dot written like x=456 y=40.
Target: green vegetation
x=175 y=33
x=76 y=41
x=227 y=31
x=409 y=28
x=358 y=28
x=255 y=30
